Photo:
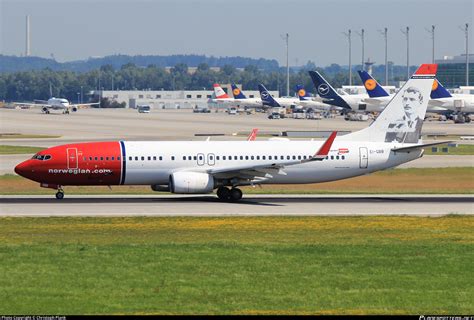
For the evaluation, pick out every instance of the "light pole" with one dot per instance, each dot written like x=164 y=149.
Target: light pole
x=81 y=94
x=361 y=34
x=286 y=38
x=432 y=32
x=385 y=35
x=407 y=35
x=78 y=95
x=466 y=34
x=348 y=35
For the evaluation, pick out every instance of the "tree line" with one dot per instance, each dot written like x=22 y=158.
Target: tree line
x=42 y=84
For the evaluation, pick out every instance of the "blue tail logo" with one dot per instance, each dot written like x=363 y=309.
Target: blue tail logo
x=237 y=92
x=327 y=92
x=267 y=98
x=302 y=93
x=438 y=91
x=373 y=88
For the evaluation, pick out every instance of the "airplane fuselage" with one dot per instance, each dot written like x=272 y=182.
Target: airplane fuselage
x=152 y=163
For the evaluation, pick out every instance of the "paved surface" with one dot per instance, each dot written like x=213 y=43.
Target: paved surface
x=423 y=205
x=108 y=124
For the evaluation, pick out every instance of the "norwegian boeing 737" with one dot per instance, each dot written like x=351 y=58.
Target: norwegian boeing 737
x=200 y=167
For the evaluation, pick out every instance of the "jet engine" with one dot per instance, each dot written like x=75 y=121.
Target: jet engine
x=45 y=110
x=191 y=182
x=74 y=109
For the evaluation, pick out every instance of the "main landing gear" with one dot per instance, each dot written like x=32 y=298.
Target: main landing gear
x=60 y=194
x=226 y=194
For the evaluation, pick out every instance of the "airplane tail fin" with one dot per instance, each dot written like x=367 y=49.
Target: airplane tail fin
x=438 y=91
x=373 y=88
x=402 y=118
x=302 y=93
x=237 y=92
x=253 y=135
x=326 y=91
x=219 y=92
x=267 y=98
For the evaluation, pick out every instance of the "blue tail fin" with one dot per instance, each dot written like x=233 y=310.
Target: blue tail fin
x=325 y=91
x=438 y=91
x=302 y=93
x=373 y=88
x=237 y=92
x=267 y=98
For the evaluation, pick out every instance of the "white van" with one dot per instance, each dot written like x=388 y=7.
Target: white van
x=143 y=108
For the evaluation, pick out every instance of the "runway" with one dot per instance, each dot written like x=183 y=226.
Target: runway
x=251 y=205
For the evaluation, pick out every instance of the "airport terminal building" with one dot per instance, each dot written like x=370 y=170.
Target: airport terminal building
x=163 y=99
x=452 y=70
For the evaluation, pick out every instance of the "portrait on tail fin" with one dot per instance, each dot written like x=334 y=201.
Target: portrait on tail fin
x=408 y=128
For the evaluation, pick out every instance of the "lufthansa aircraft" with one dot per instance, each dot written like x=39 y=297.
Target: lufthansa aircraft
x=200 y=167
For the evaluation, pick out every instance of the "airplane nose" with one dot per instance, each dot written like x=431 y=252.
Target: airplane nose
x=23 y=168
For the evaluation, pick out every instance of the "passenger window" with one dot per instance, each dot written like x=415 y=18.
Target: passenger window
x=332 y=157
x=113 y=158
x=161 y=158
x=343 y=158
x=95 y=158
x=304 y=157
x=224 y=158
x=143 y=158
x=288 y=157
x=299 y=157
x=217 y=157
x=235 y=158
x=241 y=157
x=90 y=158
x=246 y=157
x=251 y=157
x=190 y=158
x=101 y=158
x=118 y=158
x=337 y=157
x=136 y=158
x=184 y=157
x=172 y=158
x=327 y=157
x=130 y=158
x=195 y=158
x=200 y=157
x=294 y=157
x=282 y=157
x=154 y=158
x=149 y=158
x=269 y=158
x=84 y=159
x=106 y=158
x=263 y=158
x=258 y=157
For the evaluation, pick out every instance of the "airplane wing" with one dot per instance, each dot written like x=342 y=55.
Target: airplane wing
x=32 y=104
x=259 y=173
x=84 y=104
x=418 y=146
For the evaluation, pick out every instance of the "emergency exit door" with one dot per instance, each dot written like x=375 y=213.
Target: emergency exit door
x=72 y=158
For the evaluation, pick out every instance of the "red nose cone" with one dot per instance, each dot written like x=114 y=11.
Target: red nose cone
x=23 y=169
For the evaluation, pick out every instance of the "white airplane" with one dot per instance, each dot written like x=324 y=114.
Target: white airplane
x=199 y=167
x=238 y=99
x=458 y=103
x=58 y=104
x=272 y=102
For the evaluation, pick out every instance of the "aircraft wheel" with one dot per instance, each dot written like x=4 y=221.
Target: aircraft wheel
x=59 y=195
x=223 y=193
x=235 y=194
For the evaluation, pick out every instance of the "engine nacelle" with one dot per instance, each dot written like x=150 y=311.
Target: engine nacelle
x=191 y=182
x=44 y=109
x=74 y=109
x=160 y=188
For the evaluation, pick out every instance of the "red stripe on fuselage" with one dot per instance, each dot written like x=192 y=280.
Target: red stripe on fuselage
x=93 y=163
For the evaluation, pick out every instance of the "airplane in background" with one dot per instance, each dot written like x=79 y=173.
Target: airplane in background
x=253 y=135
x=238 y=99
x=461 y=104
x=307 y=101
x=199 y=167
x=328 y=95
x=272 y=102
x=57 y=104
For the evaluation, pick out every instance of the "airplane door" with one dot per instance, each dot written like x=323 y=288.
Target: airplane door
x=200 y=159
x=364 y=158
x=71 y=158
x=211 y=159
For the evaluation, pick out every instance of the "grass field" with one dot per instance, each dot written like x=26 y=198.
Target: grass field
x=19 y=149
x=403 y=181
x=461 y=150
x=251 y=265
x=25 y=136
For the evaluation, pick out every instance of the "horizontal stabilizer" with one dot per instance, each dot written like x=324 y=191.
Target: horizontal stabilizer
x=418 y=146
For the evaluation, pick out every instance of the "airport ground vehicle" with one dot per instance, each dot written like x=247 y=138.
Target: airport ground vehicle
x=200 y=167
x=144 y=108
x=201 y=110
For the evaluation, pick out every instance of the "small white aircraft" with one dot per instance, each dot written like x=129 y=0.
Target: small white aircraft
x=57 y=104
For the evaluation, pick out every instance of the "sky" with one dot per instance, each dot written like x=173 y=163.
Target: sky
x=76 y=30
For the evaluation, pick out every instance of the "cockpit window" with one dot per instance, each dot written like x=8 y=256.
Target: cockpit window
x=41 y=157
